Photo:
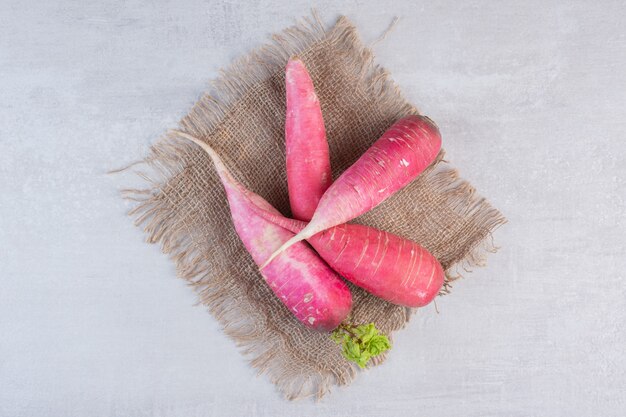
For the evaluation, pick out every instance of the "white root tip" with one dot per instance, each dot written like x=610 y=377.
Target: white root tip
x=304 y=234
x=297 y=238
x=174 y=132
x=217 y=161
x=205 y=146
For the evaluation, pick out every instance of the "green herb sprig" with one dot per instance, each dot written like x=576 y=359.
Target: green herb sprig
x=360 y=343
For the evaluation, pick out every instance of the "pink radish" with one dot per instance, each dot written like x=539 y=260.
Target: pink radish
x=312 y=291
x=386 y=265
x=393 y=268
x=308 y=162
x=393 y=161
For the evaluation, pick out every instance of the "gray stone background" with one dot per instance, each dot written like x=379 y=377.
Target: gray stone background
x=531 y=100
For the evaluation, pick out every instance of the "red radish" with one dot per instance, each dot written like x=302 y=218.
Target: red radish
x=393 y=268
x=386 y=265
x=312 y=291
x=308 y=161
x=393 y=161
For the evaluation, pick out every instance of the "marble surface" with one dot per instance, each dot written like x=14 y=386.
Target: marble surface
x=531 y=100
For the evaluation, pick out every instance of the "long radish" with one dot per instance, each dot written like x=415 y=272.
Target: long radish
x=308 y=161
x=393 y=268
x=312 y=291
x=393 y=161
x=386 y=265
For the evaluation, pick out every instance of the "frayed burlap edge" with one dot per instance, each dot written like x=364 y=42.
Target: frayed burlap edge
x=167 y=159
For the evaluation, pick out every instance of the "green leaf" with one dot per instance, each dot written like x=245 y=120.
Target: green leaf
x=351 y=350
x=367 y=331
x=360 y=343
x=363 y=359
x=378 y=344
x=337 y=336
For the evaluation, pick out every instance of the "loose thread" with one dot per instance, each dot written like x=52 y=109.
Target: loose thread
x=387 y=31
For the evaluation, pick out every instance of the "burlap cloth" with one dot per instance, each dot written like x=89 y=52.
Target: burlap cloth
x=242 y=116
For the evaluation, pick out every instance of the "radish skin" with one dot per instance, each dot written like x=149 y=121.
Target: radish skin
x=306 y=285
x=386 y=265
x=308 y=160
x=407 y=148
x=395 y=269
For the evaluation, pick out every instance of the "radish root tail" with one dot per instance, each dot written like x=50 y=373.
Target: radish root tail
x=304 y=234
